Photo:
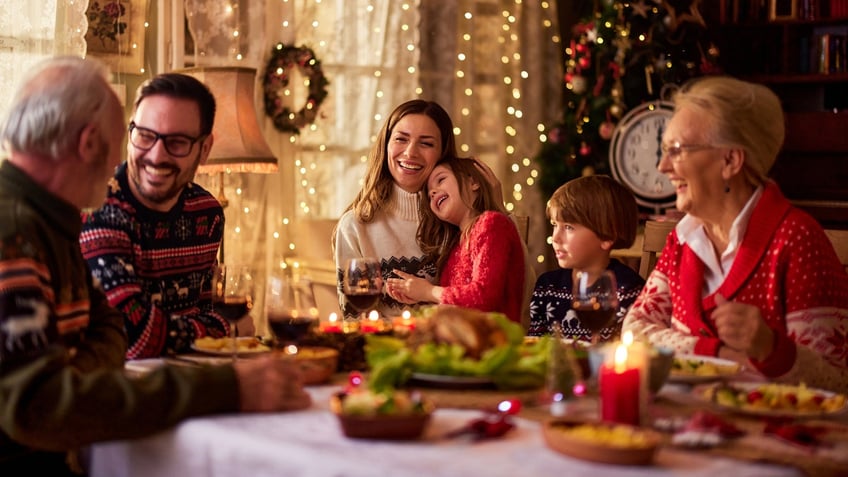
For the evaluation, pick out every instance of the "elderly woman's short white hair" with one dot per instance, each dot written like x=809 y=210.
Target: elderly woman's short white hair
x=739 y=114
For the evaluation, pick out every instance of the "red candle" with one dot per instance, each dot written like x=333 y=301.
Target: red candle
x=372 y=324
x=332 y=325
x=620 y=390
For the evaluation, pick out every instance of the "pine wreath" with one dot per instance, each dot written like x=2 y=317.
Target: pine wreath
x=284 y=58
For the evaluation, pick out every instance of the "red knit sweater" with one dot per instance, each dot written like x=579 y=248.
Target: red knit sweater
x=787 y=268
x=486 y=269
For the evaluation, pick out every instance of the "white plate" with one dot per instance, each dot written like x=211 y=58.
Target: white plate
x=216 y=351
x=452 y=382
x=702 y=392
x=676 y=376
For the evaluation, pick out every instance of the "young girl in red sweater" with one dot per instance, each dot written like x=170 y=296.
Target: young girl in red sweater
x=475 y=246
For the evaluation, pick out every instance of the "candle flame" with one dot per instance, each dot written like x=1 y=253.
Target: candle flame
x=333 y=317
x=620 y=358
x=406 y=314
x=374 y=315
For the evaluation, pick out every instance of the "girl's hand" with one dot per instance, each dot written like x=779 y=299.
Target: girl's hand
x=410 y=287
x=741 y=327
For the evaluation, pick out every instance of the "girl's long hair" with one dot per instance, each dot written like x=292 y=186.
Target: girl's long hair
x=436 y=237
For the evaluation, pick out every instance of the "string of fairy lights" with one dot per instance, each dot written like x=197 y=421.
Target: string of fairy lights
x=312 y=148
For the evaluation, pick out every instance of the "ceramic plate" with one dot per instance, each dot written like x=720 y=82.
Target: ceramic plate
x=246 y=345
x=827 y=403
x=698 y=369
x=451 y=382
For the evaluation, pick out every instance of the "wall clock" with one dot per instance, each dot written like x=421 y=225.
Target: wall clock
x=635 y=152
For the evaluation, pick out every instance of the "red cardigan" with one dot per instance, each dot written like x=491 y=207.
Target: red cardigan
x=486 y=269
x=787 y=267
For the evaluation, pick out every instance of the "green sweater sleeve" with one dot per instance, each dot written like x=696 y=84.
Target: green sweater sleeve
x=50 y=405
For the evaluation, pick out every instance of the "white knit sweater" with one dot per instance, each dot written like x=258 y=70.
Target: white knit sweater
x=389 y=237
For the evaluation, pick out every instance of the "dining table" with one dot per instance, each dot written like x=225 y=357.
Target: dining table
x=311 y=443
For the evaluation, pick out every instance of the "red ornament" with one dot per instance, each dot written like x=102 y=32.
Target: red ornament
x=585 y=149
x=605 y=130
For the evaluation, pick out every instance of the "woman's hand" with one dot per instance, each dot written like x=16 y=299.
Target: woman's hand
x=410 y=289
x=741 y=328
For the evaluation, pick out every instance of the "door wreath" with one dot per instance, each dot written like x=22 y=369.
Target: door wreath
x=284 y=58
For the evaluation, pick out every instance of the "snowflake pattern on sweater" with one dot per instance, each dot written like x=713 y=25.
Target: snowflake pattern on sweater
x=156 y=267
x=553 y=296
x=786 y=266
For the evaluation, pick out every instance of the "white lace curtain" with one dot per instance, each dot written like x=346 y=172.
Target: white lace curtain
x=31 y=31
x=493 y=64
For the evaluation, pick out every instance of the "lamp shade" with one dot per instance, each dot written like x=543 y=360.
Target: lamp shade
x=238 y=145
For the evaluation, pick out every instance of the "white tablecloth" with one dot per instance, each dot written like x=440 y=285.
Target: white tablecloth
x=310 y=443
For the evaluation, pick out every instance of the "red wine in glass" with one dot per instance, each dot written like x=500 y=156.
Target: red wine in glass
x=288 y=328
x=232 y=296
x=363 y=302
x=232 y=308
x=594 y=319
x=595 y=300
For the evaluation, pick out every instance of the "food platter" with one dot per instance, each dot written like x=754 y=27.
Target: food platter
x=246 y=346
x=601 y=442
x=772 y=399
x=697 y=369
x=451 y=382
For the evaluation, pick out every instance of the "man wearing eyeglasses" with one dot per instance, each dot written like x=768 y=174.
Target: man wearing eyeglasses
x=153 y=243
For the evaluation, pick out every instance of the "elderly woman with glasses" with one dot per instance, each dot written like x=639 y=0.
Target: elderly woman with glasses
x=744 y=275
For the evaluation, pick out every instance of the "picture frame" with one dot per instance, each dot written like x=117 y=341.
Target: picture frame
x=780 y=10
x=116 y=33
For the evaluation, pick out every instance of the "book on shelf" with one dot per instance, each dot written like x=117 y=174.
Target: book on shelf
x=830 y=53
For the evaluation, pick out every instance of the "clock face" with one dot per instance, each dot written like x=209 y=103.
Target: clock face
x=636 y=150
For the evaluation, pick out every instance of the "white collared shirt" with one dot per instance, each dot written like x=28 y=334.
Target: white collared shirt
x=691 y=231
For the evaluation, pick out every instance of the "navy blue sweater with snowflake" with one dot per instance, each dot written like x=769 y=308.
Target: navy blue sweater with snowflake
x=553 y=295
x=156 y=267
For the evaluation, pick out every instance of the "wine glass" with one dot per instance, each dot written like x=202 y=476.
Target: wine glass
x=595 y=301
x=290 y=310
x=232 y=295
x=362 y=285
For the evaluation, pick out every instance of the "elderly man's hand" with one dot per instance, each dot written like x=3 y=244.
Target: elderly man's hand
x=270 y=385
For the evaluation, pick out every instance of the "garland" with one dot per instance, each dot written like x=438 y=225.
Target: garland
x=276 y=78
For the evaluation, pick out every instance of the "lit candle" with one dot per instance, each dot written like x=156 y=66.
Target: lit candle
x=332 y=325
x=372 y=324
x=621 y=385
x=404 y=323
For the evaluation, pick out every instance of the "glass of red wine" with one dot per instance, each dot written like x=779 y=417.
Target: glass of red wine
x=595 y=301
x=362 y=286
x=291 y=311
x=232 y=296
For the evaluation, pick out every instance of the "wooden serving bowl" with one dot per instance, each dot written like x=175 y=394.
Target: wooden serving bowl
x=557 y=437
x=381 y=426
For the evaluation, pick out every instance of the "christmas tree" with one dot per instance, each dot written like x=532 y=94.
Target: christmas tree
x=619 y=56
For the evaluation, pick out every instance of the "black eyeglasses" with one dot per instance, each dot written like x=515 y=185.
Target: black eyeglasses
x=177 y=145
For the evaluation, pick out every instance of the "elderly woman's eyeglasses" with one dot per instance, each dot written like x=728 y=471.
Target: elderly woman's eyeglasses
x=177 y=145
x=675 y=150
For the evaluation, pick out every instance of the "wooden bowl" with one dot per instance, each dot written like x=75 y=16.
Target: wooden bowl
x=637 y=451
x=381 y=426
x=317 y=364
